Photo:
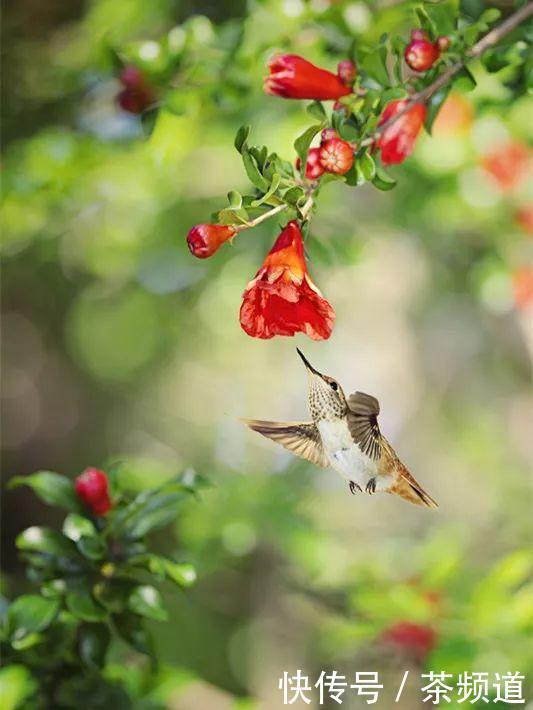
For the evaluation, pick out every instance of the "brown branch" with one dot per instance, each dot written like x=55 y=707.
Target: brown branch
x=487 y=41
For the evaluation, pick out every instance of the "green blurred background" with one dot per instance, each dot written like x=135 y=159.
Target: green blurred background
x=118 y=344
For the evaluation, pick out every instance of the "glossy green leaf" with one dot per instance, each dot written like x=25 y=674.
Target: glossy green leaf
x=302 y=143
x=276 y=179
x=374 y=64
x=252 y=170
x=382 y=180
x=145 y=600
x=235 y=200
x=84 y=607
x=182 y=574
x=93 y=643
x=16 y=685
x=367 y=165
x=434 y=105
x=317 y=110
x=29 y=614
x=37 y=539
x=131 y=629
x=74 y=526
x=51 y=487
x=294 y=195
x=465 y=80
x=241 y=136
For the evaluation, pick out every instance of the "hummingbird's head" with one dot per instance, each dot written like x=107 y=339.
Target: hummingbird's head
x=326 y=397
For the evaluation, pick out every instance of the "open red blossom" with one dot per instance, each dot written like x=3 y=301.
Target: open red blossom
x=204 y=239
x=282 y=299
x=411 y=638
x=397 y=141
x=293 y=77
x=93 y=489
x=336 y=156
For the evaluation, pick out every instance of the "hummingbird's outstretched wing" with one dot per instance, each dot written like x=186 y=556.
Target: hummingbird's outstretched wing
x=363 y=423
x=300 y=438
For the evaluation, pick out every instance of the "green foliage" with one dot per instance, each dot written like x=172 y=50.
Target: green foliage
x=94 y=581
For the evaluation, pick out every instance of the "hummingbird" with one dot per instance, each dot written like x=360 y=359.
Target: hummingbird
x=344 y=434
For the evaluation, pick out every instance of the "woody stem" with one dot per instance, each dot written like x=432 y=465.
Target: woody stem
x=261 y=218
x=487 y=41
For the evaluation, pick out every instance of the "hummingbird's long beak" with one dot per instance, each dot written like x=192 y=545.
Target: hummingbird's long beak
x=307 y=363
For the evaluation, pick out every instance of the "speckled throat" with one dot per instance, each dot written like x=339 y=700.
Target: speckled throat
x=324 y=403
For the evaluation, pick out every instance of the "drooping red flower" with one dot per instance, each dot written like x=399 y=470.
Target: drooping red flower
x=92 y=488
x=204 y=239
x=282 y=299
x=313 y=168
x=421 y=53
x=293 y=77
x=137 y=95
x=397 y=141
x=411 y=638
x=336 y=156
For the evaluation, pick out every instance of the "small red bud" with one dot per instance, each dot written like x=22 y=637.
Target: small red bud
x=131 y=77
x=419 y=34
x=443 y=43
x=346 y=71
x=339 y=106
x=204 y=239
x=336 y=156
x=421 y=54
x=327 y=134
x=92 y=488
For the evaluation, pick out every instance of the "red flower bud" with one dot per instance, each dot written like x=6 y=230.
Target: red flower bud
x=397 y=141
x=421 y=54
x=419 y=34
x=282 y=299
x=443 y=43
x=313 y=168
x=346 y=71
x=205 y=239
x=411 y=638
x=293 y=77
x=136 y=95
x=92 y=488
x=327 y=134
x=336 y=156
x=131 y=77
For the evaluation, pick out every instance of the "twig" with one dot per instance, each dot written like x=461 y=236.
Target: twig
x=488 y=40
x=261 y=218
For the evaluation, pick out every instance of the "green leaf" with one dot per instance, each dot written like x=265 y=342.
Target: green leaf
x=150 y=515
x=132 y=630
x=235 y=200
x=302 y=143
x=149 y=119
x=252 y=170
x=84 y=607
x=182 y=574
x=294 y=195
x=434 y=105
x=317 y=110
x=93 y=643
x=29 y=614
x=93 y=548
x=16 y=685
x=50 y=542
x=76 y=525
x=374 y=64
x=240 y=137
x=382 y=180
x=465 y=80
x=276 y=179
x=145 y=600
x=51 y=487
x=367 y=166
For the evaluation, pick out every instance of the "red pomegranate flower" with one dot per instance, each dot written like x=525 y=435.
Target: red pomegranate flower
x=136 y=95
x=397 y=141
x=293 y=77
x=411 y=638
x=92 y=488
x=313 y=168
x=282 y=299
x=421 y=53
x=204 y=239
x=336 y=156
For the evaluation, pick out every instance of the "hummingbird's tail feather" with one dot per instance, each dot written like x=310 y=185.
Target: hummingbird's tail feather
x=407 y=487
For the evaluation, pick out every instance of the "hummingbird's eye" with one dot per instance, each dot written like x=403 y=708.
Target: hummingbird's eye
x=334 y=386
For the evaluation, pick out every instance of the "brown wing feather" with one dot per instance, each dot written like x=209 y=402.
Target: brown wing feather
x=300 y=438
x=363 y=423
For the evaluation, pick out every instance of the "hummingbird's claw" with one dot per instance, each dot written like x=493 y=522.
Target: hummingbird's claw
x=371 y=485
x=355 y=487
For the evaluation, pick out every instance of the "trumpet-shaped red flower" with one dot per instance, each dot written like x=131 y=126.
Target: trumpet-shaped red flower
x=204 y=239
x=93 y=489
x=293 y=77
x=336 y=156
x=421 y=53
x=397 y=141
x=282 y=299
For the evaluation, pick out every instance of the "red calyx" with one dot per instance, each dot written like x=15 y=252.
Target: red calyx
x=327 y=134
x=92 y=488
x=336 y=156
x=205 y=239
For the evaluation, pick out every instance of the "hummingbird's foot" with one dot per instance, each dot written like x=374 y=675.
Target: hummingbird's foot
x=371 y=485
x=355 y=487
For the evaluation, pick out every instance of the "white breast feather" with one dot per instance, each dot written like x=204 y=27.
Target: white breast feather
x=344 y=454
